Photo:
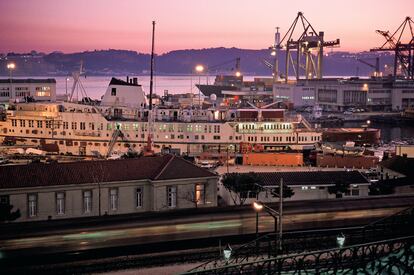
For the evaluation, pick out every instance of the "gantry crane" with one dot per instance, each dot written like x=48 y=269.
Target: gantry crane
x=308 y=41
x=376 y=67
x=403 y=51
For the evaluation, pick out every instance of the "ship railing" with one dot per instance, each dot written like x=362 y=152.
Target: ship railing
x=265 y=131
x=87 y=133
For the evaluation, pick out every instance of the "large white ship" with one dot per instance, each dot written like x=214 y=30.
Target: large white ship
x=122 y=122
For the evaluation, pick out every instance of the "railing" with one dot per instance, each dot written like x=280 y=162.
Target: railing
x=267 y=246
x=392 y=256
x=87 y=133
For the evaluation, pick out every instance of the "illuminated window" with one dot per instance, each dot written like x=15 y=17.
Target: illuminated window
x=200 y=194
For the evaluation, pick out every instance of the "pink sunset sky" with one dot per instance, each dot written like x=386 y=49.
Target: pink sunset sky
x=79 y=25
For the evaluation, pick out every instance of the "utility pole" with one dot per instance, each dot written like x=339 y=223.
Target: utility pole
x=280 y=214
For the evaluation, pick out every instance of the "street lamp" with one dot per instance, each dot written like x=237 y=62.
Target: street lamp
x=257 y=207
x=271 y=211
x=227 y=252
x=199 y=69
x=11 y=66
x=340 y=240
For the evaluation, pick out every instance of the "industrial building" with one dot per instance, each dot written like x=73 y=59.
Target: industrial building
x=21 y=90
x=339 y=94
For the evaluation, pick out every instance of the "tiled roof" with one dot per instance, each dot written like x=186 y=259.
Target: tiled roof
x=28 y=80
x=312 y=177
x=153 y=168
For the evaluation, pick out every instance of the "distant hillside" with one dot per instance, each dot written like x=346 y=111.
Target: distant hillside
x=123 y=62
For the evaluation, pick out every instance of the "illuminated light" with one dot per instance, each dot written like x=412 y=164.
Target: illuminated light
x=238 y=74
x=340 y=240
x=11 y=66
x=257 y=206
x=365 y=86
x=199 y=68
x=273 y=53
x=227 y=252
x=368 y=121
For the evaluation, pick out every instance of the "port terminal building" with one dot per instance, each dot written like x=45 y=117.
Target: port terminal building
x=22 y=90
x=339 y=94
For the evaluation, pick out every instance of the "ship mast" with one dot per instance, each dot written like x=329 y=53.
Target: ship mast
x=148 y=148
x=152 y=66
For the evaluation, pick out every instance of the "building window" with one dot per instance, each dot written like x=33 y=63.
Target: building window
x=355 y=192
x=113 y=199
x=40 y=124
x=60 y=203
x=113 y=92
x=87 y=201
x=172 y=196
x=4 y=200
x=138 y=197
x=200 y=194
x=32 y=199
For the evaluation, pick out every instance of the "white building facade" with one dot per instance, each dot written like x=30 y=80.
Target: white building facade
x=19 y=90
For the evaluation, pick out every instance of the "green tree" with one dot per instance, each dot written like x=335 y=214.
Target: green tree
x=381 y=188
x=6 y=213
x=339 y=189
x=287 y=192
x=239 y=185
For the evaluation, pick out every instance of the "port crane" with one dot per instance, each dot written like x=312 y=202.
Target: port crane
x=403 y=51
x=375 y=66
x=309 y=44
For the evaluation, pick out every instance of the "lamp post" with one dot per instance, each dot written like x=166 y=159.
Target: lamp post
x=67 y=79
x=199 y=69
x=257 y=207
x=272 y=212
x=11 y=66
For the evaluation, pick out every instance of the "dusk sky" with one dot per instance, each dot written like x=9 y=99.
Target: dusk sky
x=78 y=25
